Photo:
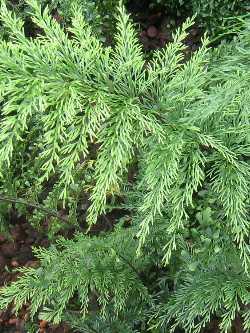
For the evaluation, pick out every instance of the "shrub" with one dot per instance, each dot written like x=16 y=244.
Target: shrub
x=75 y=115
x=99 y=14
x=214 y=15
x=91 y=102
x=217 y=17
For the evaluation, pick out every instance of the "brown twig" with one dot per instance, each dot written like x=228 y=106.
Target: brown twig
x=33 y=205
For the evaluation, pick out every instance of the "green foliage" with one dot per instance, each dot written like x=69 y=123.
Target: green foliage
x=98 y=276
x=214 y=281
x=170 y=4
x=213 y=14
x=99 y=14
x=74 y=93
x=75 y=116
x=216 y=16
x=214 y=285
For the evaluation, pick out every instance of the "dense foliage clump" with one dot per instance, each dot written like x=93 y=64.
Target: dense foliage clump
x=77 y=118
x=216 y=16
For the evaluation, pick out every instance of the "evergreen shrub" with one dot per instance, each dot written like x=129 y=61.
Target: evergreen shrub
x=216 y=16
x=76 y=116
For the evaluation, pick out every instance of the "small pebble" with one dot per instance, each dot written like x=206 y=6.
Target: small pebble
x=14 y=263
x=43 y=324
x=13 y=321
x=194 y=32
x=152 y=31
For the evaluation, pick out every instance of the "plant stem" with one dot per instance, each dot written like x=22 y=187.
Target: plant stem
x=129 y=264
x=33 y=205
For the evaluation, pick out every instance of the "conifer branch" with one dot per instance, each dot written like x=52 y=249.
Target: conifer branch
x=47 y=211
